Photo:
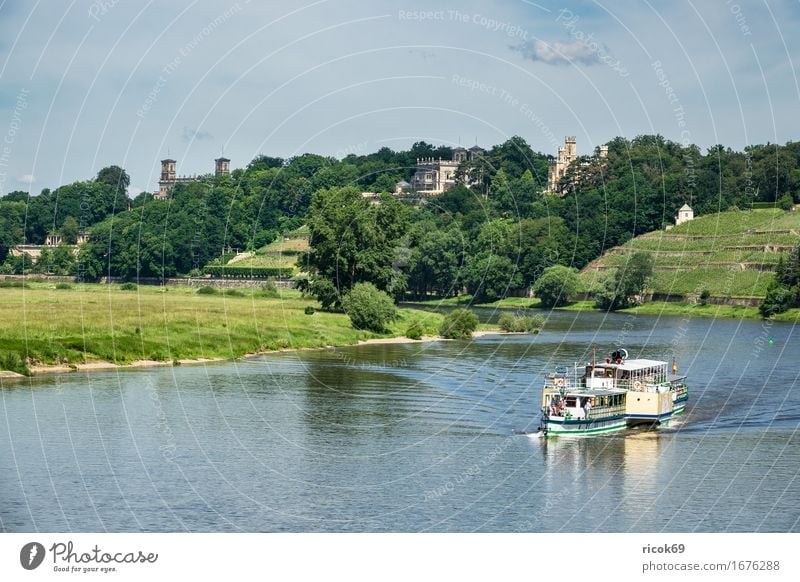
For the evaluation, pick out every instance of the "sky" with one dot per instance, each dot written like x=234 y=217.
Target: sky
x=87 y=84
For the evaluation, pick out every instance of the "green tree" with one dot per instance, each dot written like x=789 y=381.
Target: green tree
x=458 y=324
x=556 y=286
x=69 y=230
x=115 y=177
x=369 y=308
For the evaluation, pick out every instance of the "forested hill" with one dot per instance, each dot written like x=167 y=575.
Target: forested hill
x=500 y=233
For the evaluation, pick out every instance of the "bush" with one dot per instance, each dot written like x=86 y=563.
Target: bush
x=786 y=202
x=556 y=285
x=63 y=286
x=12 y=362
x=517 y=323
x=207 y=291
x=705 y=295
x=12 y=284
x=269 y=290
x=369 y=308
x=778 y=300
x=458 y=324
x=234 y=293
x=414 y=331
x=128 y=287
x=309 y=310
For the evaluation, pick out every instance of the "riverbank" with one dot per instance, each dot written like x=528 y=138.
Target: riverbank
x=89 y=327
x=674 y=308
x=105 y=327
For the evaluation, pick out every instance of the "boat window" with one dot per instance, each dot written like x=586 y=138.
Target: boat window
x=570 y=401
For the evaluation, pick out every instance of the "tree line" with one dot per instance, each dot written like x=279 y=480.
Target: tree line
x=494 y=232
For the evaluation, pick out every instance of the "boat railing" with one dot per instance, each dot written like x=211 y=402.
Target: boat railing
x=592 y=413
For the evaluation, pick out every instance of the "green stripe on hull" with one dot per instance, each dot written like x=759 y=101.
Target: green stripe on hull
x=580 y=431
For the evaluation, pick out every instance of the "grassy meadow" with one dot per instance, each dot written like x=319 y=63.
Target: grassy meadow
x=43 y=325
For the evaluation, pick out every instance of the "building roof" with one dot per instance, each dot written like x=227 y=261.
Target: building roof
x=476 y=148
x=169 y=160
x=222 y=160
x=685 y=207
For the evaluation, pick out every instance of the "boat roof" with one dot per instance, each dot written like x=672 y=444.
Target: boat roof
x=594 y=392
x=635 y=364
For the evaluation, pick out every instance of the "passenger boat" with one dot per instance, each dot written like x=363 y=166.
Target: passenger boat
x=616 y=394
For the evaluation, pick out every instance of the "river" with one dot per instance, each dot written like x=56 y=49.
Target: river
x=410 y=438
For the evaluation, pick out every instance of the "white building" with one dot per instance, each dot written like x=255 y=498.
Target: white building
x=685 y=214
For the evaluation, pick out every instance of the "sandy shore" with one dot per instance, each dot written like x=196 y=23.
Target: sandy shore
x=106 y=366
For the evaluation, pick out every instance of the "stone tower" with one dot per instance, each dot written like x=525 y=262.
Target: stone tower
x=222 y=167
x=168 y=176
x=558 y=167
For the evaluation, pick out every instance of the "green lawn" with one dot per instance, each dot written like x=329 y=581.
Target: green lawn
x=44 y=325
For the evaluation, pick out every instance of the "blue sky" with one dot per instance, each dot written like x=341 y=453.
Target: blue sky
x=86 y=84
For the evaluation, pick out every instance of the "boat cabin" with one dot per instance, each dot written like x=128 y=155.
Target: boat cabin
x=584 y=405
x=638 y=374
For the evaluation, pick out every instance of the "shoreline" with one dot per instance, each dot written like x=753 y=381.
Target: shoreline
x=101 y=366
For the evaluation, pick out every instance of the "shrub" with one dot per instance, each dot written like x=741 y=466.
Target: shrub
x=369 y=308
x=12 y=284
x=269 y=290
x=207 y=291
x=13 y=363
x=233 y=293
x=309 y=310
x=414 y=331
x=778 y=300
x=517 y=323
x=786 y=202
x=63 y=286
x=458 y=324
x=128 y=287
x=705 y=295
x=556 y=285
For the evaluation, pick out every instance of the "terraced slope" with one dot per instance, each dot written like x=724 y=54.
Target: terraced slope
x=280 y=253
x=732 y=254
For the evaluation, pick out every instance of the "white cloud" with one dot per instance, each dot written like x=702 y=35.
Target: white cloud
x=558 y=53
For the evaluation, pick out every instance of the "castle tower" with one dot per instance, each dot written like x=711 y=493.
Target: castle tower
x=168 y=177
x=569 y=147
x=222 y=167
x=168 y=171
x=558 y=167
x=603 y=152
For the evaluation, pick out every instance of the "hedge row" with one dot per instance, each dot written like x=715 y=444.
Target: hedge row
x=243 y=272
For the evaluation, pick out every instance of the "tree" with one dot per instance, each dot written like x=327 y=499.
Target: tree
x=489 y=277
x=115 y=177
x=556 y=285
x=458 y=324
x=369 y=308
x=354 y=241
x=69 y=230
x=621 y=287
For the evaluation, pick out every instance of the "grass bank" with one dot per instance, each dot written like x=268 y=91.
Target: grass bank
x=42 y=325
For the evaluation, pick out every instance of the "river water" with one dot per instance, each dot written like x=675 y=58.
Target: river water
x=411 y=438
